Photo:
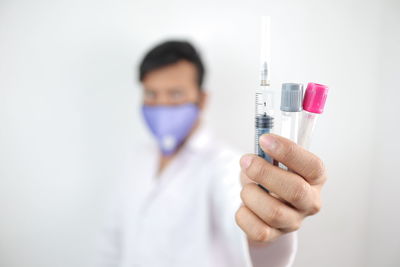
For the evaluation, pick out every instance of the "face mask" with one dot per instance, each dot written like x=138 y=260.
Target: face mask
x=170 y=124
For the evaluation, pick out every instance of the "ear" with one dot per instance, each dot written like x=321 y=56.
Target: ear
x=203 y=98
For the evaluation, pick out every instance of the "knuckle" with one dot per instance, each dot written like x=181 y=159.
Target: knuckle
x=320 y=166
x=295 y=226
x=245 y=192
x=260 y=170
x=276 y=215
x=288 y=152
x=315 y=207
x=243 y=177
x=300 y=193
x=239 y=215
x=318 y=170
x=261 y=234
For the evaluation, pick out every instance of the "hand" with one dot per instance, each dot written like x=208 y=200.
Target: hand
x=294 y=194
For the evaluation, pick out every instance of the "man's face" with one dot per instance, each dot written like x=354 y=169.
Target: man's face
x=173 y=85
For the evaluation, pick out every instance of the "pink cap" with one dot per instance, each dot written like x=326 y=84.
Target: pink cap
x=315 y=97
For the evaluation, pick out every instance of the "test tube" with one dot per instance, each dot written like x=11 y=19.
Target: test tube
x=291 y=106
x=313 y=105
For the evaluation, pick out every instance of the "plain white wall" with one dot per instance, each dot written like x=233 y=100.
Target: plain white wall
x=69 y=111
x=383 y=236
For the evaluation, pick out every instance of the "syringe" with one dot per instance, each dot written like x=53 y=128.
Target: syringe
x=264 y=120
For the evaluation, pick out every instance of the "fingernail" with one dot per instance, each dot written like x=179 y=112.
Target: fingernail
x=246 y=161
x=268 y=142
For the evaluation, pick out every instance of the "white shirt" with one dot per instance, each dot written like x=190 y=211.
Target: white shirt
x=184 y=216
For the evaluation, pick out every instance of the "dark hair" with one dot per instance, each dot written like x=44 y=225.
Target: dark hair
x=168 y=53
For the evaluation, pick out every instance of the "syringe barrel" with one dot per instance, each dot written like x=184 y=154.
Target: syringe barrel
x=264 y=101
x=264 y=124
x=307 y=124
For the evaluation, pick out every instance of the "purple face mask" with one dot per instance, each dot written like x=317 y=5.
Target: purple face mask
x=170 y=124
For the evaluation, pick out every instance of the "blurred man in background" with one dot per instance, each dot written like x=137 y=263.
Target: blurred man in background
x=178 y=204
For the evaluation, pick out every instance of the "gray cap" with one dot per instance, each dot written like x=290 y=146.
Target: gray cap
x=292 y=97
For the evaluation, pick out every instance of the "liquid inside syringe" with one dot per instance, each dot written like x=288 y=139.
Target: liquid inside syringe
x=264 y=120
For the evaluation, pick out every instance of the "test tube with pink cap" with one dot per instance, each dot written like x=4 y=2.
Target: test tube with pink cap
x=313 y=105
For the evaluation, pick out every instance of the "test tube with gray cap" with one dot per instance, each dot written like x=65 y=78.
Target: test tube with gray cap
x=291 y=106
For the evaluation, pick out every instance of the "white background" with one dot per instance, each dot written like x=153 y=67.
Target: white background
x=69 y=102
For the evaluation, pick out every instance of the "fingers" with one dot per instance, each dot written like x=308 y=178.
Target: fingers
x=269 y=209
x=292 y=194
x=254 y=227
x=287 y=185
x=296 y=158
x=244 y=179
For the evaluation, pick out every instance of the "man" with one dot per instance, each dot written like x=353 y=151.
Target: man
x=179 y=201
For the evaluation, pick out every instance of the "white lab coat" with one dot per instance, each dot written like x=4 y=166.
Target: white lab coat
x=185 y=216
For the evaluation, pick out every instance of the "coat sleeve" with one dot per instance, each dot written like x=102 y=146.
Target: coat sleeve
x=226 y=200
x=280 y=253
